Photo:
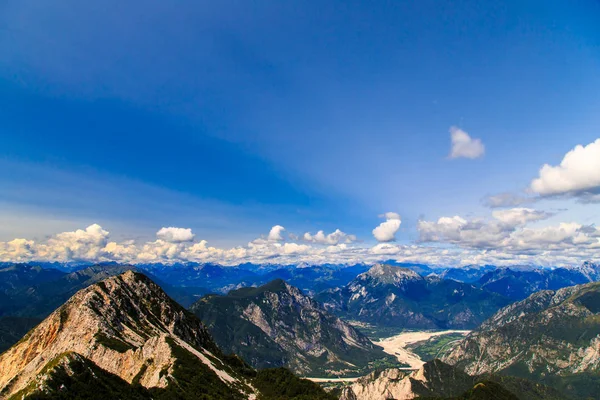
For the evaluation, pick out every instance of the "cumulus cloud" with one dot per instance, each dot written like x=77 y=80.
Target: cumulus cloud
x=507 y=232
x=561 y=236
x=175 y=235
x=18 y=249
x=520 y=216
x=504 y=240
x=464 y=146
x=386 y=231
x=77 y=245
x=577 y=174
x=276 y=233
x=390 y=215
x=332 y=239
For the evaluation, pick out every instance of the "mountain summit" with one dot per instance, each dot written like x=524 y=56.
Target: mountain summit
x=399 y=297
x=389 y=275
x=127 y=326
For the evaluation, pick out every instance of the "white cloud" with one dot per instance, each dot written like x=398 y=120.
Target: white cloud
x=578 y=173
x=520 y=216
x=276 y=233
x=18 y=249
x=121 y=251
x=562 y=236
x=508 y=233
x=502 y=240
x=463 y=146
x=161 y=250
x=386 y=231
x=445 y=229
x=332 y=239
x=386 y=249
x=77 y=245
x=175 y=235
x=390 y=215
x=295 y=248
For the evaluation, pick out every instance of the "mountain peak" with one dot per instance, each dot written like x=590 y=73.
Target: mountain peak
x=277 y=325
x=389 y=274
x=127 y=326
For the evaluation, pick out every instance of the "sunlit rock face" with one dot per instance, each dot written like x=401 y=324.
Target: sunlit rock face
x=549 y=333
x=126 y=325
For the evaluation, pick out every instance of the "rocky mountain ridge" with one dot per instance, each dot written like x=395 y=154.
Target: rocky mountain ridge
x=437 y=380
x=552 y=337
x=127 y=326
x=399 y=297
x=277 y=325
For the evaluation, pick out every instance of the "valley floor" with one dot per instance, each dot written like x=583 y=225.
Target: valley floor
x=399 y=345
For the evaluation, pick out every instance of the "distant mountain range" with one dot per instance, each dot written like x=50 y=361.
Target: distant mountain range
x=30 y=292
x=122 y=336
x=277 y=325
x=213 y=278
x=518 y=284
x=394 y=296
x=552 y=337
x=219 y=279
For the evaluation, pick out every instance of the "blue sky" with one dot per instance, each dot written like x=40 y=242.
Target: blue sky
x=229 y=118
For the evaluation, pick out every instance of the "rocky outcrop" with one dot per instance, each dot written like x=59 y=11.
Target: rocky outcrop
x=433 y=379
x=277 y=325
x=436 y=379
x=552 y=337
x=126 y=325
x=69 y=371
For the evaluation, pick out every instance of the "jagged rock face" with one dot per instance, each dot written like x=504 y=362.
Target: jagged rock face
x=551 y=333
x=277 y=325
x=70 y=370
x=438 y=380
x=394 y=296
x=433 y=379
x=126 y=325
x=388 y=275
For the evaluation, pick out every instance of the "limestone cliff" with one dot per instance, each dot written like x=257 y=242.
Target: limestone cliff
x=126 y=325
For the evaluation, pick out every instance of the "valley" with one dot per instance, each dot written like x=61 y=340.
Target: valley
x=381 y=333
x=299 y=200
x=402 y=346
x=407 y=347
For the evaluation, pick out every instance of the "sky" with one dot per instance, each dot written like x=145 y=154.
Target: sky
x=443 y=132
